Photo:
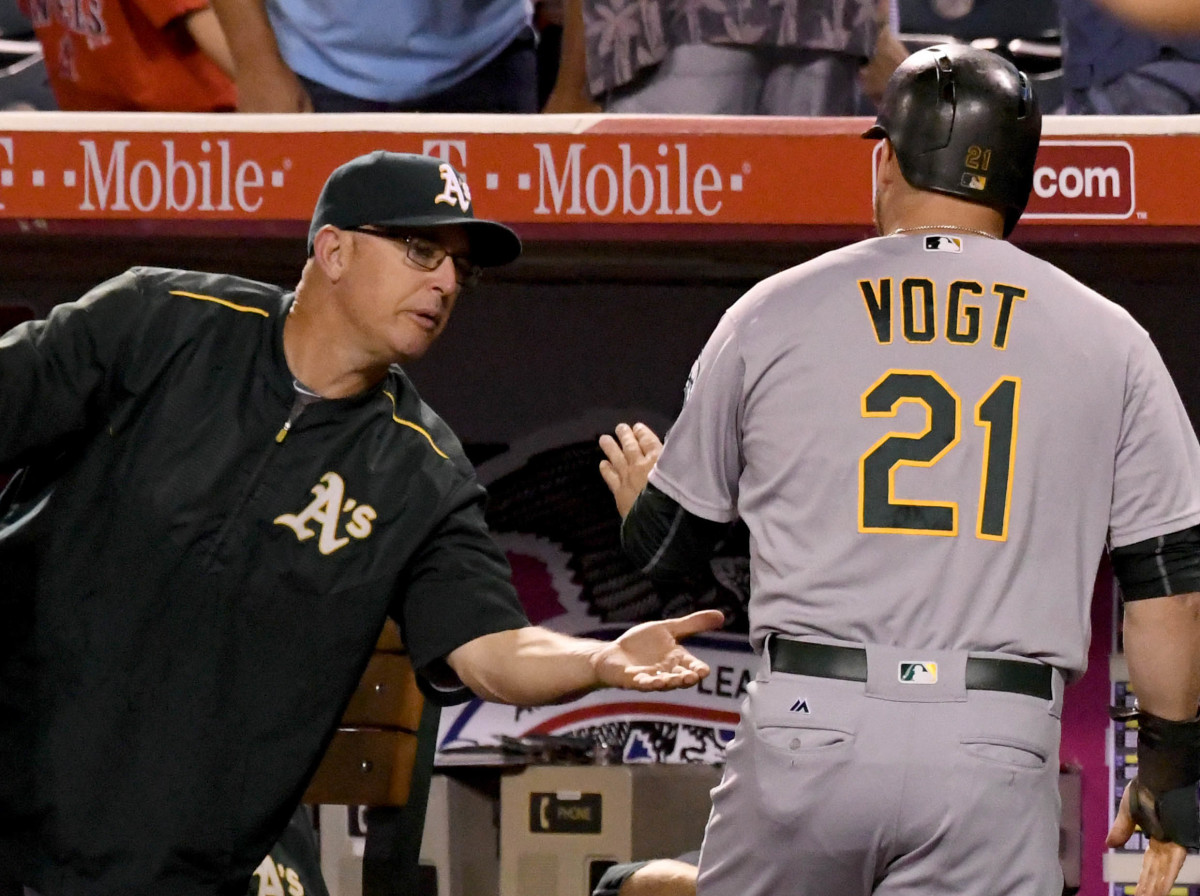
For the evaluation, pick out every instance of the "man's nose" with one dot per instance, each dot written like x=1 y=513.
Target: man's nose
x=447 y=276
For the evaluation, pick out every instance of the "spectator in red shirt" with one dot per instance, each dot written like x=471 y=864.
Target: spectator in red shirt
x=135 y=55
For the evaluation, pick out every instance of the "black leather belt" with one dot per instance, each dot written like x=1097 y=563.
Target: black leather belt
x=850 y=664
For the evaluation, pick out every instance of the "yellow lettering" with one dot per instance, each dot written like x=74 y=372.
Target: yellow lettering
x=360 y=521
x=918 y=300
x=957 y=314
x=879 y=306
x=917 y=293
x=268 y=878
x=1007 y=294
x=324 y=509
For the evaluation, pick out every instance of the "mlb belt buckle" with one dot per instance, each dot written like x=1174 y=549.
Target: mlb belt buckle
x=917 y=672
x=850 y=664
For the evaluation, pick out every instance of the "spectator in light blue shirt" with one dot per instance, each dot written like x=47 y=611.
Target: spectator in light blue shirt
x=1114 y=68
x=367 y=56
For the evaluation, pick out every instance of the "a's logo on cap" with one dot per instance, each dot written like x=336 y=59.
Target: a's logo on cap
x=918 y=673
x=454 y=188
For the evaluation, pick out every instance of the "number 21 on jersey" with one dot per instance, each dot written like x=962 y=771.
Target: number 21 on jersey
x=996 y=412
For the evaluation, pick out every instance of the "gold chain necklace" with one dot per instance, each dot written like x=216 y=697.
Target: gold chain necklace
x=990 y=236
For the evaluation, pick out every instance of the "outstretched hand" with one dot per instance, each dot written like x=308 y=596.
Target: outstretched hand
x=629 y=458
x=649 y=657
x=1162 y=861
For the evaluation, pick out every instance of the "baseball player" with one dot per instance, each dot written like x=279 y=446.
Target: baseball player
x=931 y=436
x=223 y=488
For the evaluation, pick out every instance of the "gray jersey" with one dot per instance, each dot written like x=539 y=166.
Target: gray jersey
x=930 y=438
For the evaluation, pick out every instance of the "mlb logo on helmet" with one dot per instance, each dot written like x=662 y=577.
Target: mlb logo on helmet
x=973 y=181
x=918 y=672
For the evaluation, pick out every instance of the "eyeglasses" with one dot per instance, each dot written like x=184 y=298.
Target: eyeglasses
x=428 y=255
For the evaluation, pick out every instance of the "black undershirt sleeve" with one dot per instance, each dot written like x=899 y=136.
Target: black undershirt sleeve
x=665 y=541
x=1158 y=567
x=614 y=878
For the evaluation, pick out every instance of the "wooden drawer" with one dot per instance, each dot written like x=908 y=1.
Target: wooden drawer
x=370 y=759
x=387 y=696
x=365 y=767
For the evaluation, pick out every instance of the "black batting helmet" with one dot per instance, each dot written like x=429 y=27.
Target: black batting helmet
x=963 y=121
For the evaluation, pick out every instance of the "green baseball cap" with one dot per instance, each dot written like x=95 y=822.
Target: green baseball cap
x=399 y=189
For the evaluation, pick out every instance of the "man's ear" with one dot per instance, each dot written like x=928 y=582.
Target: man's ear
x=887 y=167
x=331 y=251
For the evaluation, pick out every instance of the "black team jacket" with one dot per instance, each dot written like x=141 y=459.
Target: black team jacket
x=193 y=573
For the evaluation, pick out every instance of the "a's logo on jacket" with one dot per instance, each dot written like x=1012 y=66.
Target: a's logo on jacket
x=454 y=191
x=326 y=509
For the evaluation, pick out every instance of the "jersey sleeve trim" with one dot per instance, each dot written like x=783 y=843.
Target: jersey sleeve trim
x=1137 y=536
x=398 y=419
x=245 y=308
x=701 y=509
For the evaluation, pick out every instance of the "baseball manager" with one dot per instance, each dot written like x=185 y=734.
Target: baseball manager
x=222 y=489
x=931 y=437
